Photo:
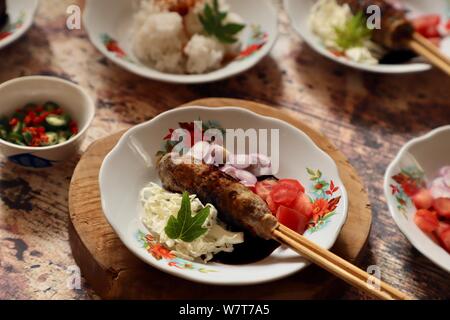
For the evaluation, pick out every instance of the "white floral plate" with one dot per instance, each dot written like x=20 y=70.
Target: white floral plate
x=298 y=12
x=131 y=165
x=417 y=162
x=108 y=25
x=21 y=15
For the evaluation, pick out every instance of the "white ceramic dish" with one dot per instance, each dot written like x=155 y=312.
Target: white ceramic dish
x=21 y=15
x=298 y=12
x=131 y=165
x=39 y=89
x=115 y=26
x=423 y=157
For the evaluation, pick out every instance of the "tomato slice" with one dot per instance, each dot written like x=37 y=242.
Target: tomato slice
x=442 y=206
x=426 y=220
x=445 y=240
x=423 y=199
x=427 y=25
x=271 y=204
x=292 y=219
x=292 y=182
x=284 y=194
x=303 y=205
x=264 y=187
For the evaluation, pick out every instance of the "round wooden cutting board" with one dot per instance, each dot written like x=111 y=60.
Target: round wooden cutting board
x=115 y=273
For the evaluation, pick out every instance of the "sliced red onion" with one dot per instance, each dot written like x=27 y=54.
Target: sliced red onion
x=218 y=155
x=261 y=171
x=199 y=150
x=230 y=170
x=445 y=174
x=261 y=159
x=439 y=188
x=240 y=161
x=246 y=178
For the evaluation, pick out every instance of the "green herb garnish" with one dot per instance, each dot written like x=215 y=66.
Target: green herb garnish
x=354 y=32
x=185 y=226
x=213 y=21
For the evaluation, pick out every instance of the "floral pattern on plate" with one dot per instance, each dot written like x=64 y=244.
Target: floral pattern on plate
x=10 y=28
x=407 y=182
x=160 y=252
x=324 y=199
x=257 y=40
x=113 y=46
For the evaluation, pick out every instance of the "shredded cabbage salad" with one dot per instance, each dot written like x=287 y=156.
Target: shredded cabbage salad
x=159 y=205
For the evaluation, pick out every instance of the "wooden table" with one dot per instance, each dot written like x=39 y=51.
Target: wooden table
x=367 y=116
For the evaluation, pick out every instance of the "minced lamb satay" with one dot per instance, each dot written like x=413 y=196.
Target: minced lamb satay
x=237 y=205
x=395 y=28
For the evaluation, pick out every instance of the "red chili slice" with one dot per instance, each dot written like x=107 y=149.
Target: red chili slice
x=13 y=122
x=27 y=120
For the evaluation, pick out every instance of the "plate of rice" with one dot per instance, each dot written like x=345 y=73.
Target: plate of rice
x=182 y=41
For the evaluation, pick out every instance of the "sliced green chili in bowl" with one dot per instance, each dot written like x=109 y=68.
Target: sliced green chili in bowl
x=38 y=125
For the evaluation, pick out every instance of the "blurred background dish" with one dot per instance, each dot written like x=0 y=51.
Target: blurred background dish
x=16 y=17
x=38 y=90
x=416 y=166
x=135 y=36
x=328 y=26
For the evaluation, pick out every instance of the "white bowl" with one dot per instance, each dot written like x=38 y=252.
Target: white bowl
x=18 y=92
x=21 y=14
x=299 y=11
x=131 y=165
x=117 y=23
x=424 y=155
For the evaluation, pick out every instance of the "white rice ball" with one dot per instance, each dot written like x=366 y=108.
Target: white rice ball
x=159 y=42
x=204 y=54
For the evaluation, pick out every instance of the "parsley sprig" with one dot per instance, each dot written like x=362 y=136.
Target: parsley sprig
x=185 y=226
x=213 y=21
x=353 y=33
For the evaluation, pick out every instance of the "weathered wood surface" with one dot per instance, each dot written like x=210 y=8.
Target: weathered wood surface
x=367 y=116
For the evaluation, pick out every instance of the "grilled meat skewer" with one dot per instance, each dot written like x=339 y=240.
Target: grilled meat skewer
x=237 y=205
x=395 y=28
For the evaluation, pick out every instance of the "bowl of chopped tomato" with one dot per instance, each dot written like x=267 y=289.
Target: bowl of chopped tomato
x=417 y=189
x=42 y=120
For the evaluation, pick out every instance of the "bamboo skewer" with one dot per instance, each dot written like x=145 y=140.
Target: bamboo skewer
x=428 y=50
x=336 y=265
